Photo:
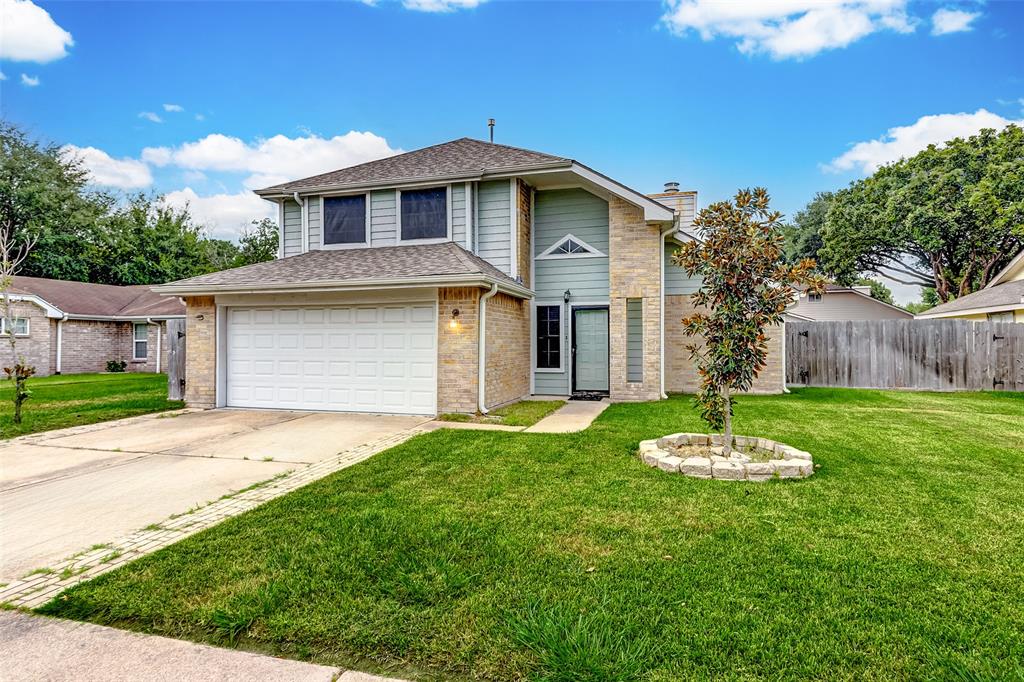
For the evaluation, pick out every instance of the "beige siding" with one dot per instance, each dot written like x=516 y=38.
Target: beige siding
x=846 y=305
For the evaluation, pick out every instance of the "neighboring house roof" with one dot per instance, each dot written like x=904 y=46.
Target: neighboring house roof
x=464 y=159
x=84 y=300
x=1005 y=296
x=378 y=267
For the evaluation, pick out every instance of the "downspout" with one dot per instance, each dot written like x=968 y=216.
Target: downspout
x=304 y=240
x=661 y=312
x=60 y=341
x=482 y=351
x=149 y=320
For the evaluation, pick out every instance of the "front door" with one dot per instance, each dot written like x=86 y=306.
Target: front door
x=590 y=349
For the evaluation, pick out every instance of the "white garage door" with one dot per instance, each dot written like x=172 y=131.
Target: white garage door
x=360 y=358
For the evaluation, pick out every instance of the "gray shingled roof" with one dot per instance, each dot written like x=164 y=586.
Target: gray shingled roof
x=1008 y=293
x=462 y=157
x=408 y=262
x=100 y=300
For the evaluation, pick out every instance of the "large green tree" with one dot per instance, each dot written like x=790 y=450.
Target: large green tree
x=803 y=235
x=949 y=217
x=91 y=236
x=44 y=197
x=258 y=243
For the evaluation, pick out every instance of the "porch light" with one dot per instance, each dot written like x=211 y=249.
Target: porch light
x=453 y=323
x=567 y=295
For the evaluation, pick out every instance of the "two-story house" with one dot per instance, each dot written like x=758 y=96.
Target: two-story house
x=453 y=278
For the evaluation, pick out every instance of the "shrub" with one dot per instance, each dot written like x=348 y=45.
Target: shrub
x=116 y=365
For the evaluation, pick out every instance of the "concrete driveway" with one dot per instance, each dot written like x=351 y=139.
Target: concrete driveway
x=64 y=491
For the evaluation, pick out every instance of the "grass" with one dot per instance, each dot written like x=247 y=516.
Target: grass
x=522 y=413
x=495 y=555
x=75 y=399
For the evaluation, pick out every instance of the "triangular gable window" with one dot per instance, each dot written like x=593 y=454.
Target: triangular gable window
x=570 y=247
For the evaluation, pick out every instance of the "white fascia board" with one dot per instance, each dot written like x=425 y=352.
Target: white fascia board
x=653 y=211
x=971 y=311
x=52 y=311
x=124 y=318
x=1005 y=271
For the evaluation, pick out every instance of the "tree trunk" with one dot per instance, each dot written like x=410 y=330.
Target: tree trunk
x=727 y=434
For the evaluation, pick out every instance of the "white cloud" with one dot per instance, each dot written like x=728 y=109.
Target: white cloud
x=952 y=21
x=29 y=81
x=438 y=5
x=3 y=76
x=108 y=171
x=272 y=159
x=174 y=107
x=224 y=215
x=787 y=29
x=905 y=141
x=29 y=34
x=150 y=116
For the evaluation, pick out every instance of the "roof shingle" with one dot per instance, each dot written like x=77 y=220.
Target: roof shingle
x=462 y=157
x=100 y=300
x=1005 y=294
x=408 y=262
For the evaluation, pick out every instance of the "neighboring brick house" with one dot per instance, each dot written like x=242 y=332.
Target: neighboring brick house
x=76 y=327
x=453 y=278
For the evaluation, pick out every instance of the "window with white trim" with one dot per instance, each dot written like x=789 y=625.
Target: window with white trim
x=345 y=220
x=1005 y=316
x=140 y=341
x=549 y=337
x=20 y=326
x=424 y=213
x=570 y=246
x=814 y=298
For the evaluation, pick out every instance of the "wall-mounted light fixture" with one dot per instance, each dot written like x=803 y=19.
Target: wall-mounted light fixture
x=453 y=323
x=200 y=317
x=567 y=295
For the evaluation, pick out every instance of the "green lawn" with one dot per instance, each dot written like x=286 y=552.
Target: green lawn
x=74 y=399
x=522 y=413
x=494 y=555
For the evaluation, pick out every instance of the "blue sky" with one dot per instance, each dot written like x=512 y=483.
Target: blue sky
x=202 y=101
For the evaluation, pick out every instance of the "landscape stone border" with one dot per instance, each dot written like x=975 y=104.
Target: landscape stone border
x=785 y=461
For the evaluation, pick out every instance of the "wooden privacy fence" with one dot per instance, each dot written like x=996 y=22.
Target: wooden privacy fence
x=936 y=355
x=175 y=359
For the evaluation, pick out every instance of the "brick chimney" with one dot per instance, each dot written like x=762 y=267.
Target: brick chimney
x=684 y=203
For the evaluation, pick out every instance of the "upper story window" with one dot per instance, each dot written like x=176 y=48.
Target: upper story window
x=345 y=221
x=814 y=298
x=20 y=326
x=424 y=214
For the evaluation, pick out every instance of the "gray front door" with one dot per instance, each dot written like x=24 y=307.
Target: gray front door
x=590 y=346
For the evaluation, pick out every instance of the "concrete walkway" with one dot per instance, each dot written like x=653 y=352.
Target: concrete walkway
x=575 y=415
x=38 y=648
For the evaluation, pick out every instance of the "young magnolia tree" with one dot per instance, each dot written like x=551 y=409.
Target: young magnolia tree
x=746 y=286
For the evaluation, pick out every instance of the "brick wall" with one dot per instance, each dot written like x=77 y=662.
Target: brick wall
x=634 y=249
x=200 y=351
x=508 y=350
x=680 y=374
x=524 y=193
x=86 y=345
x=457 y=359
x=35 y=348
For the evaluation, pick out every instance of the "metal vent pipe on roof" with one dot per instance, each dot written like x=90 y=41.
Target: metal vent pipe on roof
x=490 y=126
x=671 y=186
